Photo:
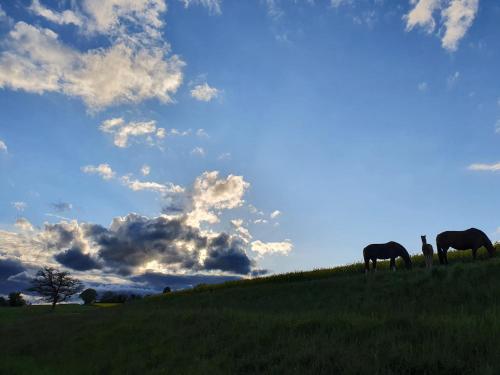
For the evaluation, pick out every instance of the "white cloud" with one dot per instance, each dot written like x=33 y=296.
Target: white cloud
x=137 y=185
x=24 y=225
x=103 y=170
x=3 y=146
x=485 y=167
x=422 y=15
x=260 y=221
x=214 y=6
x=242 y=232
x=180 y=133
x=224 y=156
x=204 y=92
x=275 y=214
x=198 y=151
x=453 y=79
x=19 y=206
x=422 y=86
x=145 y=170
x=212 y=194
x=265 y=248
x=63 y=18
x=135 y=67
x=456 y=17
x=122 y=131
x=201 y=133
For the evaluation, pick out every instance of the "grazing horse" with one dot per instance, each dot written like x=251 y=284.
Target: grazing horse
x=462 y=240
x=428 y=252
x=390 y=250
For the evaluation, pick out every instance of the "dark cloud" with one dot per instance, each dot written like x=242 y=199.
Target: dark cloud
x=226 y=253
x=74 y=258
x=61 y=206
x=9 y=268
x=60 y=235
x=135 y=240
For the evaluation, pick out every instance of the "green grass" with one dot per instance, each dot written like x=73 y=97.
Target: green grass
x=321 y=322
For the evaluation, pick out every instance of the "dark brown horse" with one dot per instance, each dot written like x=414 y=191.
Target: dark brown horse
x=462 y=240
x=390 y=250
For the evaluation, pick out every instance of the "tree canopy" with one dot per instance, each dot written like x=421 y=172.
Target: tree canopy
x=55 y=286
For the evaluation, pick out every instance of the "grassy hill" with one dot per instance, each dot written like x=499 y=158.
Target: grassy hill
x=339 y=320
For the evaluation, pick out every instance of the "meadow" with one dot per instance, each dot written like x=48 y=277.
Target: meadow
x=325 y=321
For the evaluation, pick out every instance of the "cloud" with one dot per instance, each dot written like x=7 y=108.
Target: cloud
x=242 y=232
x=224 y=156
x=122 y=131
x=485 y=167
x=212 y=194
x=137 y=185
x=134 y=241
x=422 y=86
x=19 y=206
x=145 y=170
x=422 y=15
x=275 y=214
x=61 y=206
x=214 y=6
x=3 y=146
x=24 y=224
x=75 y=259
x=198 y=151
x=63 y=18
x=9 y=268
x=260 y=221
x=453 y=79
x=497 y=126
x=136 y=66
x=265 y=248
x=202 y=133
x=204 y=92
x=103 y=170
x=457 y=17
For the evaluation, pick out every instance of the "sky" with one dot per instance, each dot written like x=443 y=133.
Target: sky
x=172 y=142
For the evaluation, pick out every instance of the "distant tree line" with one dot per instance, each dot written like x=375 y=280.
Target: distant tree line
x=56 y=286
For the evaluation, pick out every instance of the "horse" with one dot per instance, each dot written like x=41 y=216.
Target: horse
x=471 y=238
x=390 y=250
x=428 y=252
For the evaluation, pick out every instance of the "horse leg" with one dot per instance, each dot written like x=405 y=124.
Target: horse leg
x=367 y=265
x=374 y=261
x=474 y=253
x=445 y=256
x=393 y=264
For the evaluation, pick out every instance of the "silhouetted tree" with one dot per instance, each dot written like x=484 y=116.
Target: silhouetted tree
x=55 y=286
x=167 y=289
x=3 y=302
x=88 y=296
x=16 y=299
x=110 y=297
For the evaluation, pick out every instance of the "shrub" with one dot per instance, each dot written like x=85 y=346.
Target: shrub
x=3 y=302
x=167 y=289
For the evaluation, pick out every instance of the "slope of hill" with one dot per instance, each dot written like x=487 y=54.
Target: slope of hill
x=327 y=321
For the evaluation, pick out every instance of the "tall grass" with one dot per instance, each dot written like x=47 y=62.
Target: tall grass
x=320 y=322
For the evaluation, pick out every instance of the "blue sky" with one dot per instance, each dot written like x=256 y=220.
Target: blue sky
x=281 y=135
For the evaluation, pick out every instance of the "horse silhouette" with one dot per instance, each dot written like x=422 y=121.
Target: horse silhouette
x=462 y=240
x=390 y=250
x=428 y=252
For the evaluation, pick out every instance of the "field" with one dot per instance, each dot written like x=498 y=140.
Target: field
x=321 y=322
